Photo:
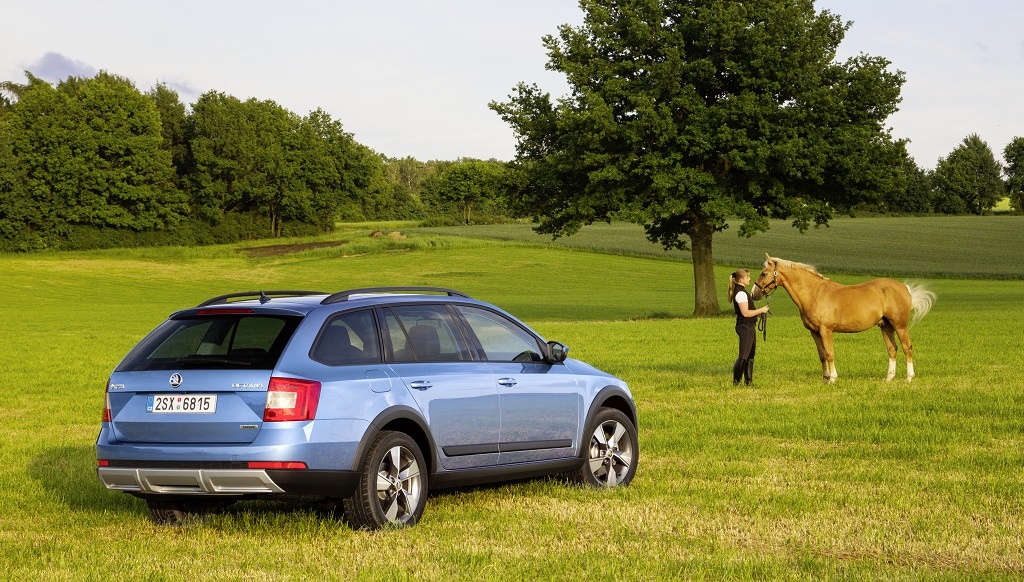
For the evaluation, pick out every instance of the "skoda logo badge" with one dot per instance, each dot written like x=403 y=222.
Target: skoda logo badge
x=175 y=380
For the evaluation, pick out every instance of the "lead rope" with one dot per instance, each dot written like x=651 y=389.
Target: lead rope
x=762 y=323
x=762 y=320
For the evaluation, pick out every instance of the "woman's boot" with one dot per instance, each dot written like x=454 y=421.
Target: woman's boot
x=738 y=370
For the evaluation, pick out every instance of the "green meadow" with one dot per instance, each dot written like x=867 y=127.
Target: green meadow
x=789 y=479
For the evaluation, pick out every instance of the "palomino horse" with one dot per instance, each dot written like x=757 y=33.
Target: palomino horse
x=826 y=307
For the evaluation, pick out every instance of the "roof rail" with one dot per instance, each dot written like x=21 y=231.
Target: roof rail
x=263 y=296
x=344 y=295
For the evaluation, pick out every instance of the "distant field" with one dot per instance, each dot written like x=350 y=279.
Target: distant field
x=988 y=247
x=788 y=480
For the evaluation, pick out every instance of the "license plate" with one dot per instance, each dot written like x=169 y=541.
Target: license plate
x=182 y=403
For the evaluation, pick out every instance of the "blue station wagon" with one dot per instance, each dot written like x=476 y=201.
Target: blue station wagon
x=366 y=399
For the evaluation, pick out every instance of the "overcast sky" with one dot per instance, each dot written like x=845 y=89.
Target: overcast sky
x=413 y=78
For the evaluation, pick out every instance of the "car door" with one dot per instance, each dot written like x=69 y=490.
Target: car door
x=540 y=403
x=456 y=395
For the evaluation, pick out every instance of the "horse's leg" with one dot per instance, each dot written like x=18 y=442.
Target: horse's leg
x=821 y=355
x=908 y=350
x=829 y=363
x=889 y=335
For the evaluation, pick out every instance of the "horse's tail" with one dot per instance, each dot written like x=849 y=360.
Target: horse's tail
x=921 y=301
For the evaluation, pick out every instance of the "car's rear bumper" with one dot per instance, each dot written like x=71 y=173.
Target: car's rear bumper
x=183 y=480
x=329 y=445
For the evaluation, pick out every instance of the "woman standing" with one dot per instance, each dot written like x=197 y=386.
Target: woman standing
x=746 y=325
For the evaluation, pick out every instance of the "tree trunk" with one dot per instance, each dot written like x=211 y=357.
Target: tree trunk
x=705 y=295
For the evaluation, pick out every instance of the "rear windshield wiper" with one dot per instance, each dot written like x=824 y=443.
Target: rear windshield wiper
x=197 y=360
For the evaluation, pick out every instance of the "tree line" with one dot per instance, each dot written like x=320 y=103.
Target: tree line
x=967 y=181
x=94 y=162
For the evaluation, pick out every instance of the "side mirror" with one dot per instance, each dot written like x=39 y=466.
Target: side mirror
x=557 y=352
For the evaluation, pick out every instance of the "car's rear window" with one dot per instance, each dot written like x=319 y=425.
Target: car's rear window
x=248 y=341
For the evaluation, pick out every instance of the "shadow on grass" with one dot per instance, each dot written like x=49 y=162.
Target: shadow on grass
x=68 y=474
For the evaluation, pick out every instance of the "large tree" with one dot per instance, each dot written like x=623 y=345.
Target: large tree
x=968 y=180
x=1013 y=155
x=683 y=114
x=88 y=152
x=256 y=157
x=246 y=158
x=129 y=179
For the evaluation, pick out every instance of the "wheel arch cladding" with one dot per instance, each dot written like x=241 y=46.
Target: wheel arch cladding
x=614 y=397
x=405 y=420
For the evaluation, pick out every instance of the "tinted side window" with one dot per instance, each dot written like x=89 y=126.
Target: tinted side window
x=219 y=341
x=400 y=349
x=501 y=338
x=348 y=338
x=424 y=333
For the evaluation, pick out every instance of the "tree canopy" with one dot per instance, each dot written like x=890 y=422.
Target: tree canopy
x=85 y=161
x=913 y=194
x=969 y=180
x=683 y=114
x=87 y=152
x=464 y=187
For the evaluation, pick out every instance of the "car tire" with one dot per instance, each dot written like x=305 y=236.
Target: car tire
x=392 y=488
x=611 y=452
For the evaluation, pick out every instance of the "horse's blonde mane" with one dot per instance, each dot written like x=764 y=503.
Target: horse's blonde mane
x=803 y=266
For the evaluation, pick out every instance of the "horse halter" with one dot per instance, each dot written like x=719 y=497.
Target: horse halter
x=772 y=285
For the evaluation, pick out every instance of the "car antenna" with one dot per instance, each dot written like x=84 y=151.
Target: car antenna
x=263 y=298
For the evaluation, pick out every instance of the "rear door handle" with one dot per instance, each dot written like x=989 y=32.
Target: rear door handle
x=507 y=382
x=420 y=384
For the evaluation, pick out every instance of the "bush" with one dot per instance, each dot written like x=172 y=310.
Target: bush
x=451 y=220
x=193 y=232
x=441 y=220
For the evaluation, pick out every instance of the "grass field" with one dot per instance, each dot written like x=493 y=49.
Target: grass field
x=790 y=479
x=990 y=247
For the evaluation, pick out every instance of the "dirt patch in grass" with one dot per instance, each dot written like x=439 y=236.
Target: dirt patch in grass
x=274 y=250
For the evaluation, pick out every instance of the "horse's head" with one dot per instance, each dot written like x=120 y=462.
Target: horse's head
x=768 y=280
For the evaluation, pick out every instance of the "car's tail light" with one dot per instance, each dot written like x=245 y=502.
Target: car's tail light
x=102 y=463
x=277 y=465
x=106 y=402
x=291 y=399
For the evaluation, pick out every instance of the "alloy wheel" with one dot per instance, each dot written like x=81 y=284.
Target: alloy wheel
x=399 y=484
x=611 y=453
